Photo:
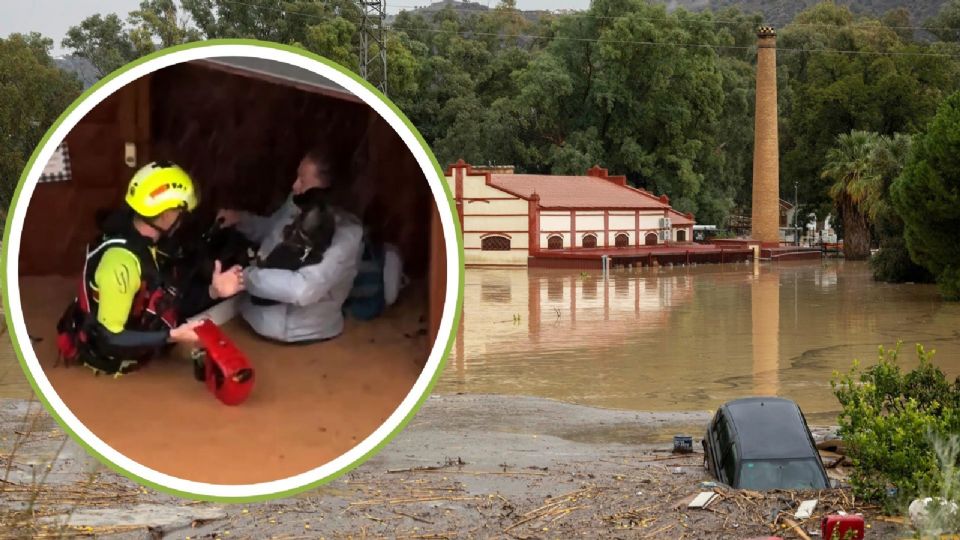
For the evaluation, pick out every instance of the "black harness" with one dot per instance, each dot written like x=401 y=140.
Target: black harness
x=80 y=338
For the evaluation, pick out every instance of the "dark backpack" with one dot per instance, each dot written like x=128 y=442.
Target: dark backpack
x=367 y=300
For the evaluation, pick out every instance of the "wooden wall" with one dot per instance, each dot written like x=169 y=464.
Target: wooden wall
x=241 y=138
x=60 y=217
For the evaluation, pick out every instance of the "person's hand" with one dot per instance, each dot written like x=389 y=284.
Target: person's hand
x=229 y=217
x=226 y=284
x=186 y=333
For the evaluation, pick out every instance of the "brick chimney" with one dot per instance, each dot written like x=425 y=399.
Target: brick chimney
x=766 y=153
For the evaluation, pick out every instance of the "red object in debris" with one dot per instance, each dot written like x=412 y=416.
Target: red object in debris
x=227 y=371
x=841 y=527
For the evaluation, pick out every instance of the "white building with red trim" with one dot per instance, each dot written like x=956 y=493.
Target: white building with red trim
x=508 y=218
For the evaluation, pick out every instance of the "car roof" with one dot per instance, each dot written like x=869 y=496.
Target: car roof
x=769 y=428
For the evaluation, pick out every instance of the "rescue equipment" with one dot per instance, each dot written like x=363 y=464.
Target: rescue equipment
x=226 y=371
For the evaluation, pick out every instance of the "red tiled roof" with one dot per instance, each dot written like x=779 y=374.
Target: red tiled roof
x=575 y=191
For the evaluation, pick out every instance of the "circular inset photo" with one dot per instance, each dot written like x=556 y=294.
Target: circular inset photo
x=232 y=270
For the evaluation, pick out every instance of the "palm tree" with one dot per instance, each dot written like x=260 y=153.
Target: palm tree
x=857 y=187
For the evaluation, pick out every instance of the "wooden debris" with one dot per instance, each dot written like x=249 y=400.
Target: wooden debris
x=806 y=509
x=832 y=445
x=796 y=528
x=702 y=499
x=408 y=500
x=415 y=518
x=556 y=508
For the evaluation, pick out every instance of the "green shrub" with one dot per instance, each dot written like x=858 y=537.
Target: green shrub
x=890 y=422
x=892 y=263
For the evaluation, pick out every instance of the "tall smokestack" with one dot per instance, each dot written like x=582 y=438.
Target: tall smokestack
x=766 y=151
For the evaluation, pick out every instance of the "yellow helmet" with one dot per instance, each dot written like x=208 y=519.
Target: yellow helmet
x=160 y=186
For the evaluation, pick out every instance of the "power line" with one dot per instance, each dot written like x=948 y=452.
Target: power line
x=667 y=43
x=628 y=42
x=585 y=15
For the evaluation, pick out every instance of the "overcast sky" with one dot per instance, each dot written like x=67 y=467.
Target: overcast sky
x=52 y=18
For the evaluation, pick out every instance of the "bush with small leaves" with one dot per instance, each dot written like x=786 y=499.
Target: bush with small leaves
x=890 y=421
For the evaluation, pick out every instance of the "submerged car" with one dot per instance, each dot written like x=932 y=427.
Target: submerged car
x=763 y=443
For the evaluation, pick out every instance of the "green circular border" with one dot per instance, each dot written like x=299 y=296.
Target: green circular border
x=4 y=279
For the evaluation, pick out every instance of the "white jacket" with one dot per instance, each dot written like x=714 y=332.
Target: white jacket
x=312 y=297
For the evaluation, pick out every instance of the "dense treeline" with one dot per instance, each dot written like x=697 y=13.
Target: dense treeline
x=665 y=97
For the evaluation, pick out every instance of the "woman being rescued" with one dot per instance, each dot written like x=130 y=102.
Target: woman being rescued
x=126 y=312
x=309 y=300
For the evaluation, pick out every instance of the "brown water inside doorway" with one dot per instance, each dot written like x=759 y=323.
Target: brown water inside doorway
x=689 y=338
x=310 y=404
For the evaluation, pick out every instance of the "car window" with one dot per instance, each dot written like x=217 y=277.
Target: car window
x=781 y=474
x=729 y=463
x=723 y=435
x=729 y=433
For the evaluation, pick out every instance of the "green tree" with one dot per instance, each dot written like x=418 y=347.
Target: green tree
x=892 y=262
x=159 y=24
x=331 y=38
x=328 y=28
x=102 y=40
x=946 y=24
x=464 y=71
x=883 y=84
x=927 y=197
x=862 y=167
x=603 y=92
x=33 y=93
x=856 y=188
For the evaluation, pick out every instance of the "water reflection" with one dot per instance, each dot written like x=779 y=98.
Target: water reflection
x=765 y=325
x=687 y=338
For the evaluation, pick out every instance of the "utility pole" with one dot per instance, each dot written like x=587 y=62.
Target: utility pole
x=373 y=32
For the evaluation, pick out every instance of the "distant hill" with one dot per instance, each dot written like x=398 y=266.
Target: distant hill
x=463 y=9
x=781 y=12
x=81 y=67
x=776 y=12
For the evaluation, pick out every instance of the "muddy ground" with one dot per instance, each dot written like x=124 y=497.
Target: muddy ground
x=467 y=466
x=311 y=402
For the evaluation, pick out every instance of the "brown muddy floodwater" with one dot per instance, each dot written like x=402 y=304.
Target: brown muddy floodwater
x=310 y=403
x=689 y=338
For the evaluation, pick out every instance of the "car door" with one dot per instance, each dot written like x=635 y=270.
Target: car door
x=710 y=448
x=813 y=447
x=726 y=460
x=721 y=443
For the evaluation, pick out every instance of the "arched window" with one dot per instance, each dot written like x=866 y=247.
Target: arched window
x=555 y=242
x=681 y=235
x=621 y=240
x=589 y=240
x=495 y=243
x=650 y=239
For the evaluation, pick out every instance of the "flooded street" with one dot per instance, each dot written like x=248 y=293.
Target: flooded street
x=690 y=338
x=674 y=342
x=675 y=339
